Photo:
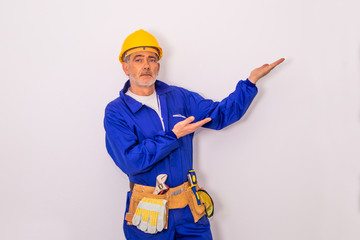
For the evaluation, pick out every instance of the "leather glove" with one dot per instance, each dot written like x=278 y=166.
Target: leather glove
x=150 y=215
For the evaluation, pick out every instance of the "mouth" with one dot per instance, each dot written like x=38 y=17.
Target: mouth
x=146 y=74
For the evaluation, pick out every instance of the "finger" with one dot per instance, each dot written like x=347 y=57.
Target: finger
x=274 y=64
x=264 y=67
x=188 y=120
x=206 y=120
x=200 y=123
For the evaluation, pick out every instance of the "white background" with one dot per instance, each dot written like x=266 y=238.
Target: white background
x=290 y=169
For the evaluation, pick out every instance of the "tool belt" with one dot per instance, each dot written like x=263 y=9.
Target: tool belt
x=177 y=197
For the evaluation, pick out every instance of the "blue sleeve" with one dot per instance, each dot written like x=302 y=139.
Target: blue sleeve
x=130 y=155
x=226 y=112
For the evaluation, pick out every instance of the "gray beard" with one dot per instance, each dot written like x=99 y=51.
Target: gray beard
x=142 y=84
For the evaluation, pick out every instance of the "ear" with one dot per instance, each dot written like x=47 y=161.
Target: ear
x=125 y=67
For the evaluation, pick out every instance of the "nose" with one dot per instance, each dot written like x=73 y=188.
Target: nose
x=146 y=64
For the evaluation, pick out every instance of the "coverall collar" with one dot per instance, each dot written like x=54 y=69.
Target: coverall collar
x=160 y=88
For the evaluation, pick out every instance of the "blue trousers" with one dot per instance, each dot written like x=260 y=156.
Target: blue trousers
x=180 y=226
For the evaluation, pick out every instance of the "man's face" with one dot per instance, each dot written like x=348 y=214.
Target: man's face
x=142 y=68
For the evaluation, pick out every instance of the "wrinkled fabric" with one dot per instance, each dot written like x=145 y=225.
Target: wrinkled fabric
x=180 y=226
x=139 y=146
x=143 y=149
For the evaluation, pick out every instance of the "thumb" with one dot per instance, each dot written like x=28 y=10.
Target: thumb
x=188 y=120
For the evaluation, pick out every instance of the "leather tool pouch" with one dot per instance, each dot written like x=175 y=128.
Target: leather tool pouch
x=134 y=202
x=178 y=197
x=198 y=211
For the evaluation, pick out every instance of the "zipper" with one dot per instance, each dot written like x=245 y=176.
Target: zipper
x=160 y=115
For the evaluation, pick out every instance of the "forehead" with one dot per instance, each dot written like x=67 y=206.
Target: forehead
x=143 y=54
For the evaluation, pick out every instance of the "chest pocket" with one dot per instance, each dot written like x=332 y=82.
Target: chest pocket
x=177 y=116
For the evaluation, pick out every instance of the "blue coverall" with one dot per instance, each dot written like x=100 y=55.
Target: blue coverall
x=142 y=149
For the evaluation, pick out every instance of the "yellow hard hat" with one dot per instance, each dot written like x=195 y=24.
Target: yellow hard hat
x=140 y=41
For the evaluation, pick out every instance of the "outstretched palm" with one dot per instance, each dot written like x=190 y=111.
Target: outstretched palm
x=260 y=72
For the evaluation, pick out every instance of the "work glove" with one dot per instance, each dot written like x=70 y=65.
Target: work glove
x=150 y=215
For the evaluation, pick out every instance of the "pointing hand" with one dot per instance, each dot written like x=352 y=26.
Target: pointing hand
x=186 y=126
x=260 y=72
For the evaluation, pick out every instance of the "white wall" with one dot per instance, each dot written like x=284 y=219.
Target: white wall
x=289 y=169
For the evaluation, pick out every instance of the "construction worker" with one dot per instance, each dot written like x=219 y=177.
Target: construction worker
x=149 y=131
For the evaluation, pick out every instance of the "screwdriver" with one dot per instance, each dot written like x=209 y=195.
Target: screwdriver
x=193 y=181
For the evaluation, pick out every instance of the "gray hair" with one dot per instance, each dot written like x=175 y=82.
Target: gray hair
x=127 y=58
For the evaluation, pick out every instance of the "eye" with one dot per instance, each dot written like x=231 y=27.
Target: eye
x=152 y=60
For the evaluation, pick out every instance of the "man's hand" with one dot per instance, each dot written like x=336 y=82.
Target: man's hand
x=186 y=126
x=258 y=73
